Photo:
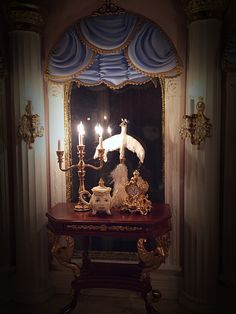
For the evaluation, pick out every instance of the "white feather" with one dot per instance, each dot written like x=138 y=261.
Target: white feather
x=134 y=146
x=114 y=142
x=120 y=179
x=109 y=144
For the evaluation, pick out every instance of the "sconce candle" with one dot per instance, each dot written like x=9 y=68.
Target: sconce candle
x=80 y=133
x=58 y=145
x=99 y=131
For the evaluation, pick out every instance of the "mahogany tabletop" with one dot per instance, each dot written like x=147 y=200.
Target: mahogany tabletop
x=63 y=219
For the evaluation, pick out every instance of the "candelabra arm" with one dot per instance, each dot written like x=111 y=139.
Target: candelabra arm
x=101 y=160
x=66 y=169
x=95 y=167
x=60 y=154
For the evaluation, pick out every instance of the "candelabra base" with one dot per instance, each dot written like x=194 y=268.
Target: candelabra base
x=80 y=207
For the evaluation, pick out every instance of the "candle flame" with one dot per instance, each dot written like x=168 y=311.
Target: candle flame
x=109 y=130
x=99 y=129
x=80 y=128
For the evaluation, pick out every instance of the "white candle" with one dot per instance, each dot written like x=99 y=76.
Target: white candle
x=81 y=133
x=99 y=131
x=58 y=145
x=109 y=130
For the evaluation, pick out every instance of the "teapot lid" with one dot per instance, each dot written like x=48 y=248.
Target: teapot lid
x=101 y=188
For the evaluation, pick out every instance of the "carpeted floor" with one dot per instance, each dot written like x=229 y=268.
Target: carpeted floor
x=91 y=305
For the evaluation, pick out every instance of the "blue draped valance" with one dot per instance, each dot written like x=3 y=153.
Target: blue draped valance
x=107 y=33
x=112 y=49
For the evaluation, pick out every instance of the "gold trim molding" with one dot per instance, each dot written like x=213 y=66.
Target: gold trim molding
x=24 y=16
x=68 y=138
x=104 y=228
x=203 y=9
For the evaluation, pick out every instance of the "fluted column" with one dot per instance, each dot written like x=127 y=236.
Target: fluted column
x=30 y=172
x=228 y=254
x=6 y=267
x=201 y=204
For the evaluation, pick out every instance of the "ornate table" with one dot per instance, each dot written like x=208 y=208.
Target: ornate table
x=63 y=221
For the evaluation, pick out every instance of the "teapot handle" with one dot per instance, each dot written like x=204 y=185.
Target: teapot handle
x=81 y=194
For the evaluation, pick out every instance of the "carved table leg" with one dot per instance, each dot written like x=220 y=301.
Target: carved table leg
x=150 y=260
x=63 y=255
x=71 y=306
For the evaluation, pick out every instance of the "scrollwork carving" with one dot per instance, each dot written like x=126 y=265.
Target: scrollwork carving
x=63 y=254
x=56 y=90
x=203 y=9
x=154 y=258
x=172 y=87
x=24 y=16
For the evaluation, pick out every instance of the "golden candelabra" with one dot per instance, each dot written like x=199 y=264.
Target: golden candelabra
x=197 y=126
x=81 y=171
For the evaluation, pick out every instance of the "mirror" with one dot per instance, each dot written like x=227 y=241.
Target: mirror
x=142 y=106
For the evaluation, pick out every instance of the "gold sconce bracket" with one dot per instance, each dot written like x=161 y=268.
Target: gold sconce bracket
x=197 y=126
x=29 y=127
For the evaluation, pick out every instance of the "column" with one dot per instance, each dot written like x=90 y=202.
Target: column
x=228 y=214
x=202 y=166
x=6 y=267
x=29 y=166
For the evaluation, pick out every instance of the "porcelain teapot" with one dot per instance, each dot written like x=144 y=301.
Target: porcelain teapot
x=100 y=200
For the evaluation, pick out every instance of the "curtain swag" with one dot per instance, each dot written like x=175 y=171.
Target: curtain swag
x=115 y=50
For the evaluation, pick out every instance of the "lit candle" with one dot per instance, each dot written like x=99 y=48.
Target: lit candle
x=109 y=130
x=81 y=133
x=99 y=131
x=58 y=145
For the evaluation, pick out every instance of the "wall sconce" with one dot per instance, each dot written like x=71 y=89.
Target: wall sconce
x=197 y=126
x=29 y=127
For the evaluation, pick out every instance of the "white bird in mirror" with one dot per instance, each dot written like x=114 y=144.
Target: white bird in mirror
x=122 y=141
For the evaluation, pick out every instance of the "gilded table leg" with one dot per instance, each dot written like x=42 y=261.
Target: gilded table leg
x=150 y=260
x=63 y=255
x=71 y=306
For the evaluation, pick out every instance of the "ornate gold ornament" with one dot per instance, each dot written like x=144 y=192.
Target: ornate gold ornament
x=108 y=8
x=152 y=259
x=203 y=9
x=197 y=126
x=104 y=228
x=63 y=254
x=29 y=127
x=137 y=200
x=25 y=16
